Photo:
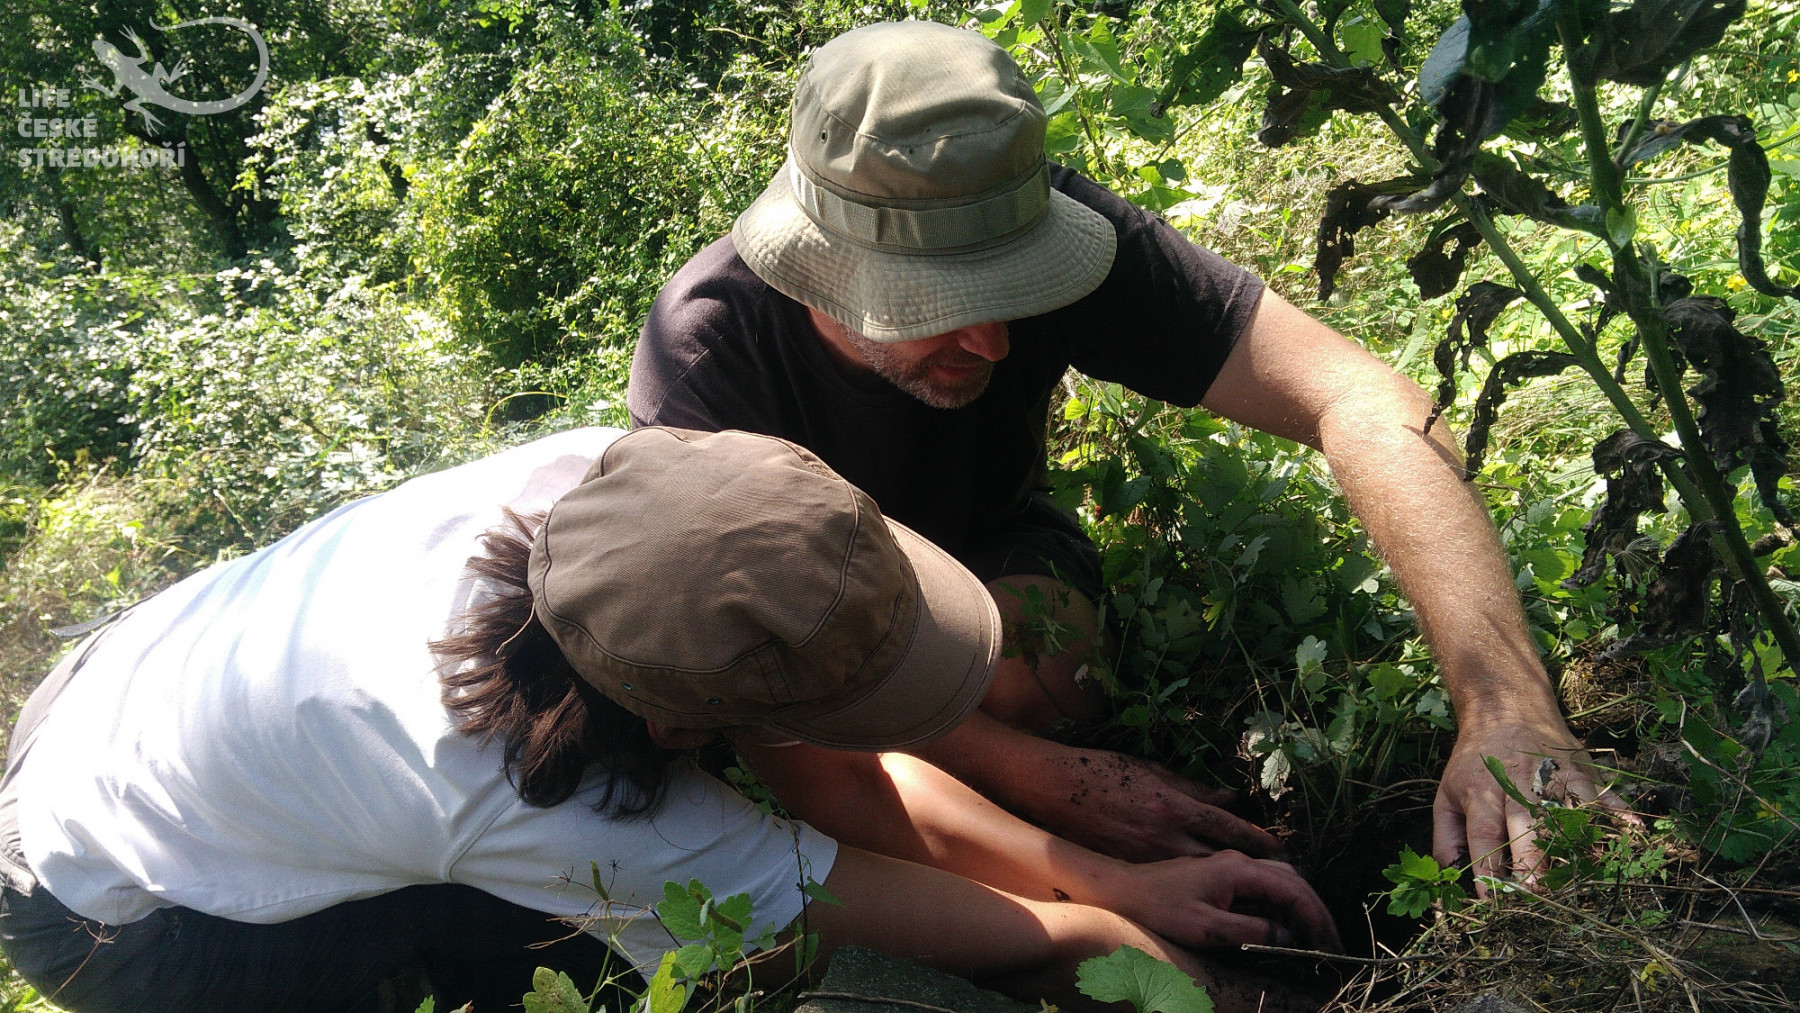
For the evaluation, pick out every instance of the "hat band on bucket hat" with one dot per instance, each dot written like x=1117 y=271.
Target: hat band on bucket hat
x=938 y=227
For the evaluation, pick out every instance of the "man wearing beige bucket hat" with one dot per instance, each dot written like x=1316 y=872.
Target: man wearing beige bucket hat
x=904 y=298
x=384 y=753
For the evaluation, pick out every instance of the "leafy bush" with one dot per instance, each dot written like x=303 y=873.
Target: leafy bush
x=64 y=367
x=587 y=183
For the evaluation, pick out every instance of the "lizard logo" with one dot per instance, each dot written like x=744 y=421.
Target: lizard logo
x=149 y=86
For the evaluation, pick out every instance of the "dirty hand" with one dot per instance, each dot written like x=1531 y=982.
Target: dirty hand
x=1225 y=899
x=1474 y=818
x=1136 y=810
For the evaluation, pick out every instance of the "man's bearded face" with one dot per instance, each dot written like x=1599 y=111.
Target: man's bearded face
x=945 y=370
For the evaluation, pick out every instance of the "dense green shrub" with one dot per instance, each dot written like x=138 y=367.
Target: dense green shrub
x=587 y=183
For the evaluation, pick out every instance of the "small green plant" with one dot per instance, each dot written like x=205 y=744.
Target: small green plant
x=551 y=992
x=1420 y=882
x=1576 y=844
x=1128 y=974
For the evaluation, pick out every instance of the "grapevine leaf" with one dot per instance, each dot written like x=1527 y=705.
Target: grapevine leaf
x=1150 y=985
x=1506 y=373
x=1675 y=606
x=1641 y=43
x=1436 y=271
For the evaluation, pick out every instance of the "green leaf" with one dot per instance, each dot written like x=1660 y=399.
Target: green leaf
x=817 y=891
x=1098 y=52
x=1498 y=769
x=1446 y=62
x=693 y=960
x=1362 y=41
x=665 y=994
x=1547 y=564
x=679 y=910
x=1388 y=680
x=1211 y=65
x=734 y=912
x=1062 y=134
x=1621 y=225
x=555 y=993
x=1150 y=985
x=1416 y=866
x=1310 y=655
x=1032 y=11
x=428 y=1006
x=1132 y=101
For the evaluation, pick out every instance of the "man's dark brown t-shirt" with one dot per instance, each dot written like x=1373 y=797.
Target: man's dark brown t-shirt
x=723 y=350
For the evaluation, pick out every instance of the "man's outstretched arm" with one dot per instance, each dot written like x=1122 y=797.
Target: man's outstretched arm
x=1297 y=378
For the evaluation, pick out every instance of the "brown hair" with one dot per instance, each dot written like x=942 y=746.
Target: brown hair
x=520 y=688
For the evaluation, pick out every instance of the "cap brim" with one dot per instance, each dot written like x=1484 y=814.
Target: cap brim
x=944 y=674
x=900 y=297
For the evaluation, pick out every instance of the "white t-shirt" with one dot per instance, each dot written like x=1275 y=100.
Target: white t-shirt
x=266 y=739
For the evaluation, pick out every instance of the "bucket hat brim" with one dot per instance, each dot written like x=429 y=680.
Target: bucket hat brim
x=954 y=648
x=886 y=296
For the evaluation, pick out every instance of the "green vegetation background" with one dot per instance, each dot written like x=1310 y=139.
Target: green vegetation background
x=436 y=233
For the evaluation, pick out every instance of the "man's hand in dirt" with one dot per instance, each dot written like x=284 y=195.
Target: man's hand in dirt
x=1137 y=810
x=1226 y=899
x=1473 y=818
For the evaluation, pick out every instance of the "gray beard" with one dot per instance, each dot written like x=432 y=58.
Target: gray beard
x=915 y=378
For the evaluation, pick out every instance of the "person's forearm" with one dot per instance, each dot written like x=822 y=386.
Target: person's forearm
x=986 y=754
x=901 y=806
x=1026 y=947
x=1436 y=535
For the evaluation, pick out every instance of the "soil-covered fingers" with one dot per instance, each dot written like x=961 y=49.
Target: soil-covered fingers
x=1138 y=811
x=1219 y=829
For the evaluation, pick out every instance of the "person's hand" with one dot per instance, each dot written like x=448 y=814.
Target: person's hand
x=1473 y=819
x=1225 y=899
x=1136 y=810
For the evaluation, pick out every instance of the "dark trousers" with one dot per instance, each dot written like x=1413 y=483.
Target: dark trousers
x=377 y=954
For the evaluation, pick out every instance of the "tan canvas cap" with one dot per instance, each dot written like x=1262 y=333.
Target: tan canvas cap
x=915 y=199
x=711 y=580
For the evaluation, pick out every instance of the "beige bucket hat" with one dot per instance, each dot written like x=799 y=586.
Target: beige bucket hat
x=915 y=199
x=712 y=580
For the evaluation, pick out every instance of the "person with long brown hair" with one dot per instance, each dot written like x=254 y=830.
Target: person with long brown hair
x=392 y=745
